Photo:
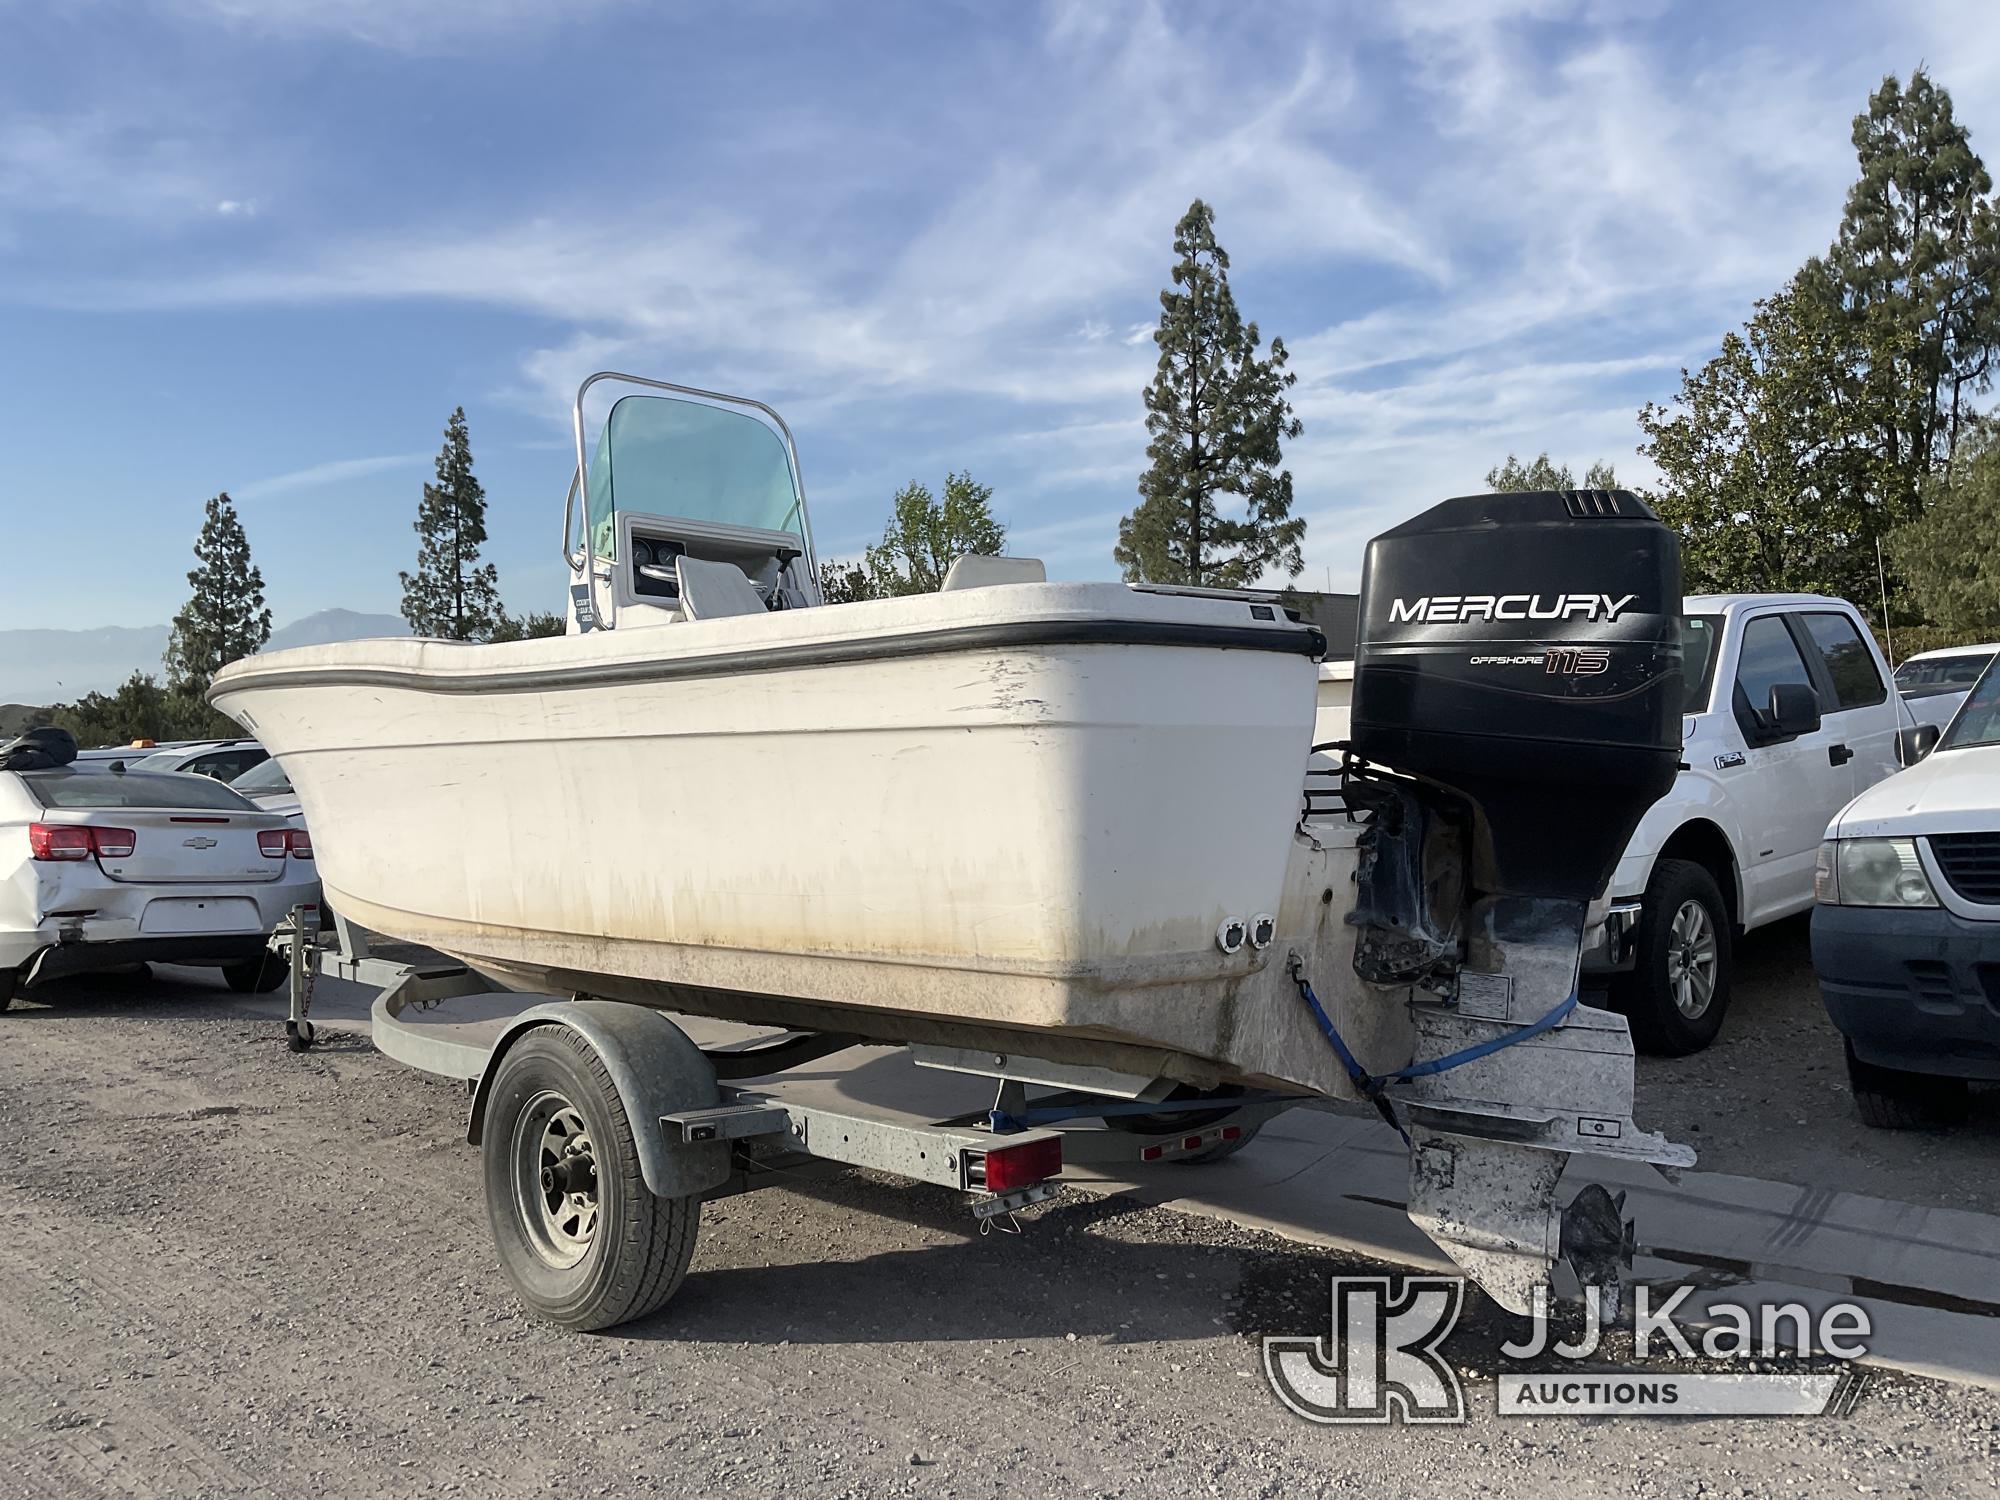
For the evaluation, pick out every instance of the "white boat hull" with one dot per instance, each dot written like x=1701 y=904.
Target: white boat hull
x=1015 y=810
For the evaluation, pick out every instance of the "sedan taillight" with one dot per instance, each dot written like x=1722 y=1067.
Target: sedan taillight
x=276 y=843
x=54 y=842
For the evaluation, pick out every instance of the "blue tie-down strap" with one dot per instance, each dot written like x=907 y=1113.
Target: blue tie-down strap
x=1003 y=1123
x=1371 y=1085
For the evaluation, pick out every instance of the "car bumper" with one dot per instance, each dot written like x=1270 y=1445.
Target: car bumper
x=94 y=958
x=104 y=924
x=1917 y=990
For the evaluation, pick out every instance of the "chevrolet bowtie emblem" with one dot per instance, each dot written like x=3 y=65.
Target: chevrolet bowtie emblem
x=198 y=843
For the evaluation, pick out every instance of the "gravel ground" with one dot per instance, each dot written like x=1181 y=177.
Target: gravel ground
x=1770 y=1098
x=230 y=1270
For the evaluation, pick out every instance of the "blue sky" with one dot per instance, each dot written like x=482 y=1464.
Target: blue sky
x=267 y=245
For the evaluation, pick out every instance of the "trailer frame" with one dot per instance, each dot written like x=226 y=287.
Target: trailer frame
x=712 y=1123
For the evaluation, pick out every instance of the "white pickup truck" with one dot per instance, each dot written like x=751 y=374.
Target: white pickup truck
x=1789 y=716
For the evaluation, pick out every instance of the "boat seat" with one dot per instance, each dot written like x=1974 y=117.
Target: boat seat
x=973 y=571
x=711 y=590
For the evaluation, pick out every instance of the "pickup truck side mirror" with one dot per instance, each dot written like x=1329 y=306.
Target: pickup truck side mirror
x=1794 y=709
x=1914 y=742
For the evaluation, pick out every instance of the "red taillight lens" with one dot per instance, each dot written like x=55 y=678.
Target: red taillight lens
x=114 y=843
x=272 y=843
x=1010 y=1167
x=55 y=841
x=302 y=846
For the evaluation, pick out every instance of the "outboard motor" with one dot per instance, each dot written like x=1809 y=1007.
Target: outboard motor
x=1524 y=650
x=1519 y=666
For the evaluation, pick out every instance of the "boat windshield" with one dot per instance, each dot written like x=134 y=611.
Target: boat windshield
x=667 y=457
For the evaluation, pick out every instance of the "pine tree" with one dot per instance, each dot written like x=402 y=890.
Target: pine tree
x=450 y=596
x=224 y=619
x=1916 y=271
x=1217 y=414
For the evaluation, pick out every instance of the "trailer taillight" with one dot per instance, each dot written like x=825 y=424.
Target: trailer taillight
x=1010 y=1167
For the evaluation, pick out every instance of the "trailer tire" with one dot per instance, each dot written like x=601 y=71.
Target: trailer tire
x=594 y=1247
x=1684 y=929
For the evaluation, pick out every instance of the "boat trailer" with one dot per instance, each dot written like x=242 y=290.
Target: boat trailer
x=712 y=1122
x=683 y=1123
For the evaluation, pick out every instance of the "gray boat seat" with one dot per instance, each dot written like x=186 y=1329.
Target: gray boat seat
x=973 y=571
x=711 y=590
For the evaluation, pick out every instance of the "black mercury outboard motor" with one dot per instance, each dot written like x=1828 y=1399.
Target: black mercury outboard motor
x=1524 y=651
x=1519 y=662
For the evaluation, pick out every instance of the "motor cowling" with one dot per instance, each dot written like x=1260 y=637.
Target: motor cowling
x=1523 y=650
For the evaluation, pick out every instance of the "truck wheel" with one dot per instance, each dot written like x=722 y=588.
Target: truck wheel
x=1891 y=1099
x=257 y=976
x=1678 y=990
x=583 y=1240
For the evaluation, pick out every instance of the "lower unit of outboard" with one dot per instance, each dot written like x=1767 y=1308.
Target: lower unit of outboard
x=1516 y=709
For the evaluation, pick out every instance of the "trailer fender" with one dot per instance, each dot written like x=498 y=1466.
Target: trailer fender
x=656 y=1069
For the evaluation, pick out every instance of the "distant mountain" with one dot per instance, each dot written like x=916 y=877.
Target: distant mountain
x=59 y=666
x=16 y=717
x=331 y=625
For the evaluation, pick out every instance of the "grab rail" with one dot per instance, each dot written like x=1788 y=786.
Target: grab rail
x=577 y=500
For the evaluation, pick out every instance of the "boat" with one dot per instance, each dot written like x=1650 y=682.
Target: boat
x=1080 y=822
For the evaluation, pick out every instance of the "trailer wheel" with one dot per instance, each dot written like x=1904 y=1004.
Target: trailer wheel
x=1167 y=1122
x=580 y=1236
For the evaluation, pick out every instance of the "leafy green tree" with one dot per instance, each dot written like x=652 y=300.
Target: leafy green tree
x=224 y=619
x=1766 y=468
x=532 y=626
x=450 y=596
x=1948 y=566
x=141 y=709
x=1540 y=474
x=925 y=535
x=844 y=582
x=1915 y=271
x=1218 y=417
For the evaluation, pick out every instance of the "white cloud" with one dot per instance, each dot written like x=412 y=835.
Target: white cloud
x=1479 y=225
x=320 y=475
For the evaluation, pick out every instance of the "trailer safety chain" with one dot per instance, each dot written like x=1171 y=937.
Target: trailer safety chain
x=1372 y=1085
